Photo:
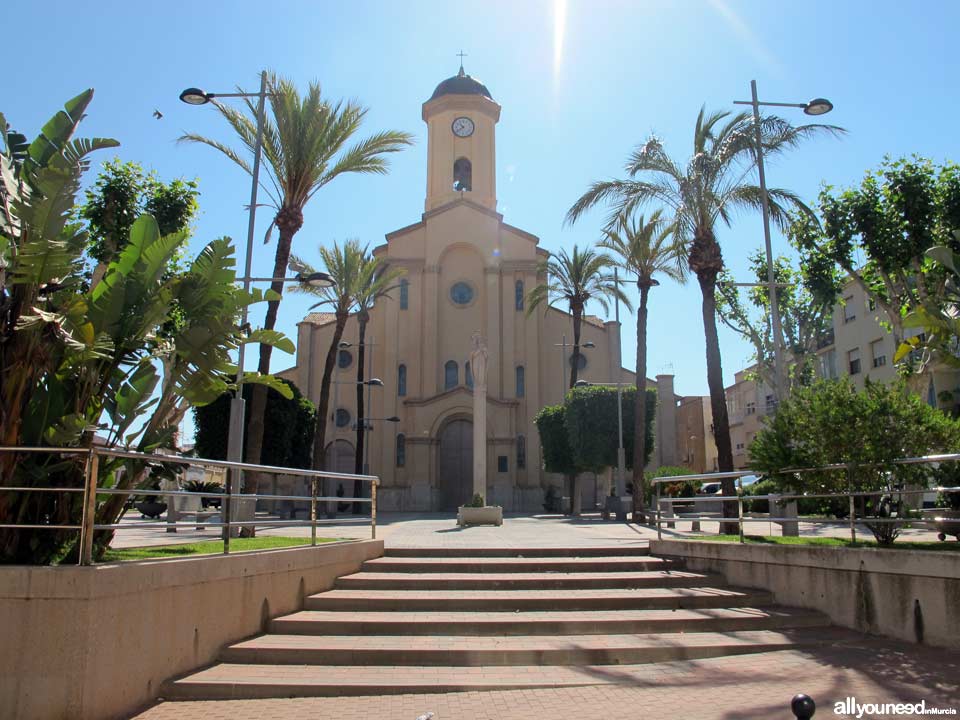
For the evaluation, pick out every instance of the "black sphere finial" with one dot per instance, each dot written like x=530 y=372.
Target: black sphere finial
x=803 y=706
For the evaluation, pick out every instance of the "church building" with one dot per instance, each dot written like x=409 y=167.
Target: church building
x=466 y=271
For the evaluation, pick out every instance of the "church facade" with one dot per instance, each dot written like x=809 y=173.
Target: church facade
x=466 y=271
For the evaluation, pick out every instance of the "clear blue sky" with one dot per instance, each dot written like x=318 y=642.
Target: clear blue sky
x=581 y=83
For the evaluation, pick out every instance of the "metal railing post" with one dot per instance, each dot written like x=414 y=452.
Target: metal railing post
x=89 y=508
x=313 y=511
x=227 y=511
x=740 y=506
x=659 y=534
x=853 y=505
x=373 y=510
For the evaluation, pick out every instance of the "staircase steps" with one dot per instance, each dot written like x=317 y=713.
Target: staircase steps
x=452 y=619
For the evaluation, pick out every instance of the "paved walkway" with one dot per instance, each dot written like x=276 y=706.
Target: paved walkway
x=440 y=530
x=745 y=687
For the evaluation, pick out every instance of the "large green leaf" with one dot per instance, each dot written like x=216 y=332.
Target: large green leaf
x=253 y=378
x=274 y=338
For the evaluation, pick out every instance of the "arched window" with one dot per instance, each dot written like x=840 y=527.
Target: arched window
x=404 y=294
x=402 y=380
x=401 y=450
x=468 y=375
x=451 y=375
x=521 y=452
x=462 y=175
x=521 y=381
x=518 y=295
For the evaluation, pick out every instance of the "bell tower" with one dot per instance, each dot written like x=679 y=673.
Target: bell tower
x=461 y=122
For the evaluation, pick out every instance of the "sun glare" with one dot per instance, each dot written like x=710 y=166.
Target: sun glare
x=559 y=31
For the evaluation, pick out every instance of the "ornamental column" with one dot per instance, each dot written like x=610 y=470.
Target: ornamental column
x=478 y=367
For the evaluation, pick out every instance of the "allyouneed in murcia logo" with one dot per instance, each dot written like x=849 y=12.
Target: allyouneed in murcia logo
x=850 y=706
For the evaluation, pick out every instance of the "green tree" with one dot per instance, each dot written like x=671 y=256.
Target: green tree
x=702 y=192
x=288 y=435
x=76 y=359
x=646 y=248
x=591 y=422
x=305 y=147
x=831 y=422
x=805 y=297
x=345 y=266
x=121 y=194
x=555 y=441
x=575 y=279
x=878 y=234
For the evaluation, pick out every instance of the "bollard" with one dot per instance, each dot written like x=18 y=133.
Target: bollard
x=803 y=706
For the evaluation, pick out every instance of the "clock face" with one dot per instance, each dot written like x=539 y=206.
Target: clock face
x=463 y=127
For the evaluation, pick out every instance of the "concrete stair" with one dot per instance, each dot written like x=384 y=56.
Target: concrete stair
x=445 y=620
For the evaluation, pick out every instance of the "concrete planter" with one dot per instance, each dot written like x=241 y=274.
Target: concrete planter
x=487 y=515
x=911 y=595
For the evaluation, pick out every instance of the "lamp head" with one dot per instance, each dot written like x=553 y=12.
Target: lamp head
x=589 y=344
x=317 y=280
x=376 y=382
x=195 y=96
x=581 y=383
x=344 y=344
x=393 y=419
x=818 y=106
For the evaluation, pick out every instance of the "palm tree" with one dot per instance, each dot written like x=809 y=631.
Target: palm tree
x=304 y=148
x=646 y=248
x=713 y=184
x=575 y=280
x=374 y=280
x=343 y=265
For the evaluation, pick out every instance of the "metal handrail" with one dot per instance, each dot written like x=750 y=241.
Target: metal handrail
x=90 y=491
x=740 y=519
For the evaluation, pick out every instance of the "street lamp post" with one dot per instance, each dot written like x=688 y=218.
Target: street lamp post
x=817 y=106
x=588 y=345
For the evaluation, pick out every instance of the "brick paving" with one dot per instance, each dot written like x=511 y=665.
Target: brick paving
x=744 y=687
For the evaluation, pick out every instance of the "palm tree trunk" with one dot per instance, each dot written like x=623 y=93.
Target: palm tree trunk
x=323 y=406
x=258 y=401
x=718 y=398
x=362 y=319
x=640 y=408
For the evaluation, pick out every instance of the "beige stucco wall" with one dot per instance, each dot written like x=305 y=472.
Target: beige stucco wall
x=94 y=643
x=904 y=594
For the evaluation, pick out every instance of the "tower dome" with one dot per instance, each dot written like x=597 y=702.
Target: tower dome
x=461 y=84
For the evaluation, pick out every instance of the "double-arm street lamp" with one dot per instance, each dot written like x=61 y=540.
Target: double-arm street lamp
x=196 y=96
x=817 y=106
x=588 y=345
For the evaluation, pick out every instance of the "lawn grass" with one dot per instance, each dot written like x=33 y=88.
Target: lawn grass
x=948 y=546
x=207 y=547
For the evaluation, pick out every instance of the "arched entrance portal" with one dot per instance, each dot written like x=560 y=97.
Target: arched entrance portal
x=456 y=464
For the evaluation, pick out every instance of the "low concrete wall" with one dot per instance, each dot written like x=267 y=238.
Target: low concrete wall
x=97 y=642
x=905 y=594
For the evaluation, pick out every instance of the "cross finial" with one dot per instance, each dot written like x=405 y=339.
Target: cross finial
x=461 y=55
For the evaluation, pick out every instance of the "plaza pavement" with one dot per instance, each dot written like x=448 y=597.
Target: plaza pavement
x=731 y=688
x=440 y=530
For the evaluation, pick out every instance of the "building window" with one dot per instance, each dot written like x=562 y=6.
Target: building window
x=344 y=359
x=404 y=294
x=461 y=293
x=751 y=408
x=878 y=354
x=502 y=463
x=828 y=365
x=401 y=450
x=468 y=375
x=581 y=360
x=521 y=381
x=871 y=304
x=402 y=380
x=518 y=295
x=521 y=452
x=771 y=403
x=849 y=315
x=341 y=417
x=853 y=361
x=451 y=375
x=462 y=175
